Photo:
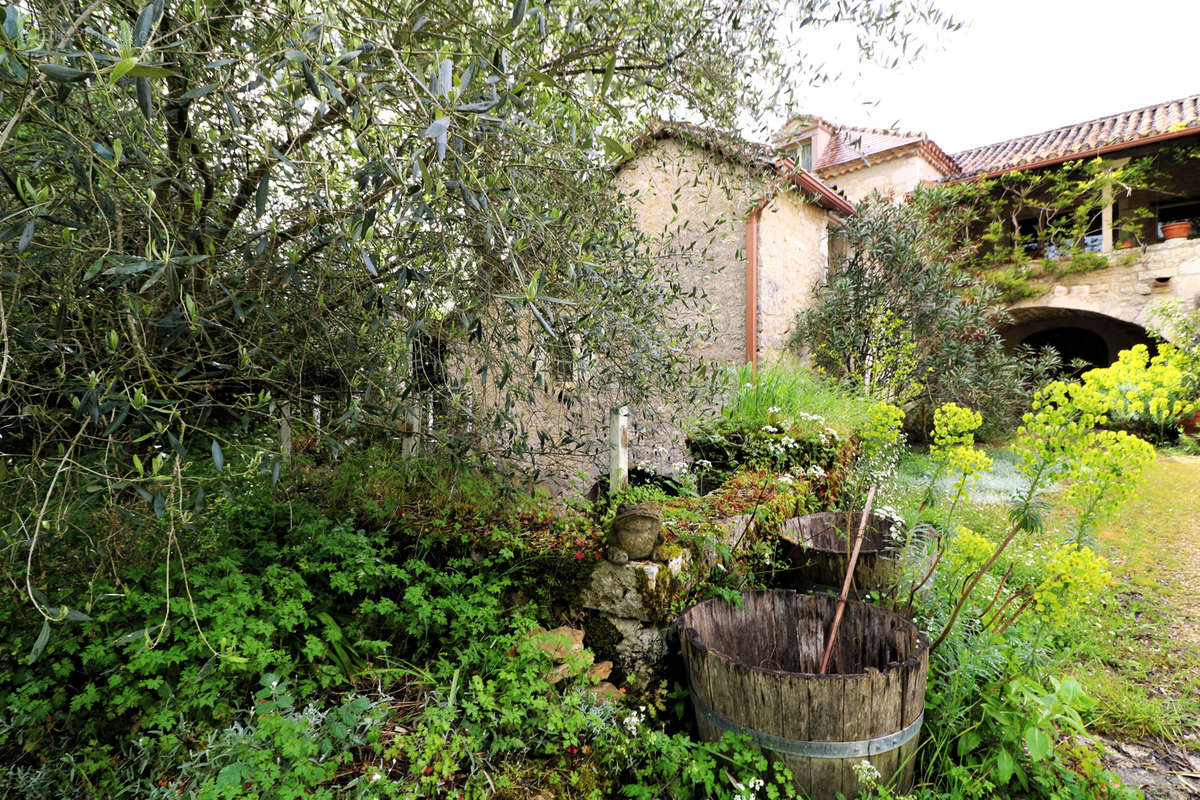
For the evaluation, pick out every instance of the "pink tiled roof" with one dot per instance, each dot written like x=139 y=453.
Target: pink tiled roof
x=1114 y=132
x=851 y=147
x=852 y=144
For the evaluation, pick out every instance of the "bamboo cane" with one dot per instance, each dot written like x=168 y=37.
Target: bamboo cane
x=841 y=606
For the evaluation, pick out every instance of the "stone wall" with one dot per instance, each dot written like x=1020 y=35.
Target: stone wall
x=793 y=254
x=894 y=177
x=695 y=205
x=630 y=600
x=1136 y=279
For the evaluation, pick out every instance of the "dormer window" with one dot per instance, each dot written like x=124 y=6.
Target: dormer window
x=804 y=155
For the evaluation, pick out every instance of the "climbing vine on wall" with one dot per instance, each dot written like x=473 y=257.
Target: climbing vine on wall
x=1027 y=226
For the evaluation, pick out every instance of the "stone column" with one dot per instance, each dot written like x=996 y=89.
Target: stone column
x=1106 y=220
x=1106 y=216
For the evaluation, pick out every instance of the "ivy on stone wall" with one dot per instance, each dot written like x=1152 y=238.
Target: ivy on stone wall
x=1025 y=228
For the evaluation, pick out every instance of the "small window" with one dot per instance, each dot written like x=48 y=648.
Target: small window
x=428 y=363
x=1030 y=236
x=805 y=155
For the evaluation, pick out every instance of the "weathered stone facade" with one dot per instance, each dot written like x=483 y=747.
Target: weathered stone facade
x=695 y=203
x=894 y=176
x=1125 y=292
x=793 y=254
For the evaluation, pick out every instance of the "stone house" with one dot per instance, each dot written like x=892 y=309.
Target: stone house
x=768 y=217
x=1093 y=314
x=742 y=223
x=752 y=228
x=859 y=162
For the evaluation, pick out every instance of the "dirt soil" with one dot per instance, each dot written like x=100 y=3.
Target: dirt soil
x=1162 y=770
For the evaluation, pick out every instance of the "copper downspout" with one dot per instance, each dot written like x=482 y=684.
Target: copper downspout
x=752 y=286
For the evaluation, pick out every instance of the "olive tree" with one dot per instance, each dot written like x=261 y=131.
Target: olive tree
x=217 y=214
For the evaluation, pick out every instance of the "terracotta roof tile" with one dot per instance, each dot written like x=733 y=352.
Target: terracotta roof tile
x=1126 y=128
x=851 y=147
x=852 y=144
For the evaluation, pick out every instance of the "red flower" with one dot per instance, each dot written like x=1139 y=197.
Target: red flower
x=579 y=555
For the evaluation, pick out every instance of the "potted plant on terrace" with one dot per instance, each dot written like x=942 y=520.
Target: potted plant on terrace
x=1178 y=229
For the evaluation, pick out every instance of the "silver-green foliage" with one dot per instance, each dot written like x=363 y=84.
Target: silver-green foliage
x=214 y=212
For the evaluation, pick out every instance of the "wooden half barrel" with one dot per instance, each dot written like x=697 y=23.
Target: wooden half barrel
x=818 y=550
x=752 y=670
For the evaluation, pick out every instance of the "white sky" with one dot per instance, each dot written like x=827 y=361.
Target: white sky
x=1023 y=66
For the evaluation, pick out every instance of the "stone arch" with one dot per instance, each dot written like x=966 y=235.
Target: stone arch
x=1090 y=335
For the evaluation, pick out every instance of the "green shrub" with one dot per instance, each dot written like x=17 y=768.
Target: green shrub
x=785 y=390
x=268 y=588
x=447 y=509
x=277 y=749
x=996 y=726
x=1146 y=395
x=1013 y=286
x=998 y=720
x=897 y=319
x=784 y=419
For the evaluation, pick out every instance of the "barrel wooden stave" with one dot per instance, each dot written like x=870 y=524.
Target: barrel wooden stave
x=820 y=551
x=761 y=678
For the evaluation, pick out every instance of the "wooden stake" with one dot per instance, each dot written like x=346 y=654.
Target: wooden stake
x=841 y=606
x=618 y=449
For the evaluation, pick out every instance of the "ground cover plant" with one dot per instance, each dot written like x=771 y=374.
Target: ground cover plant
x=294 y=679
x=1005 y=714
x=402 y=641
x=366 y=625
x=1011 y=593
x=784 y=418
x=246 y=246
x=1140 y=658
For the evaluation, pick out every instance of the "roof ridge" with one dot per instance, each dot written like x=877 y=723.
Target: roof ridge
x=736 y=148
x=809 y=119
x=887 y=132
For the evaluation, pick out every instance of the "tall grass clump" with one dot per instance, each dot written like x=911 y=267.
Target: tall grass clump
x=761 y=395
x=783 y=418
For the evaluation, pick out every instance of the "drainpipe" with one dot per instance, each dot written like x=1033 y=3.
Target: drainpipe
x=752 y=286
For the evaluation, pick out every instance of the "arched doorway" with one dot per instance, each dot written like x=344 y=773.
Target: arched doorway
x=1077 y=336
